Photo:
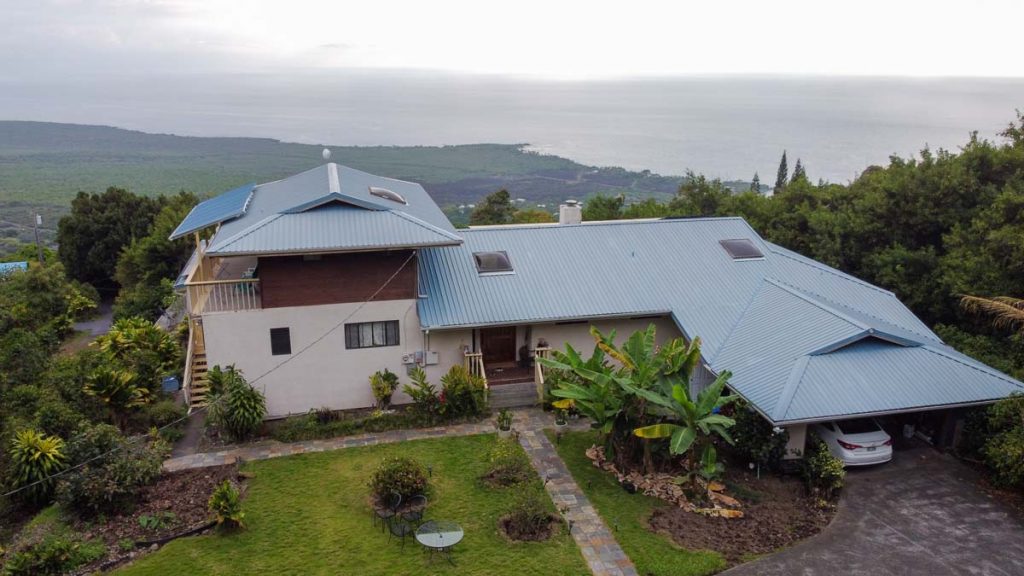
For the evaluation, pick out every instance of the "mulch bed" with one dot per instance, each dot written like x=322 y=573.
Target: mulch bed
x=512 y=533
x=777 y=512
x=184 y=494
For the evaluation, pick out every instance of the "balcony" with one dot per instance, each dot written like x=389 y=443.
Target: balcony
x=223 y=285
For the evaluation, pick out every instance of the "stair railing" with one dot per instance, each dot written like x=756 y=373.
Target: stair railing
x=474 y=362
x=538 y=371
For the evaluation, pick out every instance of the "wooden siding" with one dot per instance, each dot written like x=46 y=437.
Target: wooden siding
x=335 y=278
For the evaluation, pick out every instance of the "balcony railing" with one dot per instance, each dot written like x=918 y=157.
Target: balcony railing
x=538 y=374
x=224 y=296
x=474 y=362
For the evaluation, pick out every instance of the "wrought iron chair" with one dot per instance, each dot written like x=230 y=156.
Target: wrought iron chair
x=400 y=528
x=387 y=510
x=415 y=508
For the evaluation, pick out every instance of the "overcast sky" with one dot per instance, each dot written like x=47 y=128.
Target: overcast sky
x=549 y=38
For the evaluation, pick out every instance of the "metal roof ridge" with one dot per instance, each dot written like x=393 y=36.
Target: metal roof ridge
x=976 y=365
x=622 y=222
x=337 y=197
x=739 y=318
x=813 y=300
x=789 y=391
x=219 y=245
x=425 y=224
x=775 y=249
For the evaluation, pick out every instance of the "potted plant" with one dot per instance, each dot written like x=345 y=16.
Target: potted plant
x=504 y=422
x=562 y=408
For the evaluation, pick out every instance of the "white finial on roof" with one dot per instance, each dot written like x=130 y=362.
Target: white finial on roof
x=327 y=153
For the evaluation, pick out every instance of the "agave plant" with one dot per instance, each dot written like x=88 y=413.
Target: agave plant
x=35 y=458
x=118 y=390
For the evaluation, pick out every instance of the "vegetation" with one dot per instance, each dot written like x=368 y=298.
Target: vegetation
x=35 y=458
x=383 y=384
x=627 y=515
x=326 y=493
x=509 y=465
x=226 y=506
x=399 y=475
x=823 y=473
x=995 y=436
x=47 y=546
x=462 y=394
x=756 y=440
x=529 y=517
x=236 y=407
x=424 y=394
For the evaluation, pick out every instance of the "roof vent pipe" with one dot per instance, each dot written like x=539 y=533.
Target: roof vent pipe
x=570 y=213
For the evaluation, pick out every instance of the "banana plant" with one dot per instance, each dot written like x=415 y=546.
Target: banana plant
x=691 y=424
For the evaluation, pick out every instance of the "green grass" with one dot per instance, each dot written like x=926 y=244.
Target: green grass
x=309 y=514
x=626 y=514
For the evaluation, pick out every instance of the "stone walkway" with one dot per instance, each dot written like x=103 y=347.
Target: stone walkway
x=600 y=550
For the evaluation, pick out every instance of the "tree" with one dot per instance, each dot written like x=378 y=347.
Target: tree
x=142 y=348
x=1006 y=312
x=798 y=172
x=755 y=184
x=532 y=216
x=496 y=208
x=119 y=390
x=92 y=236
x=782 y=176
x=603 y=207
x=698 y=196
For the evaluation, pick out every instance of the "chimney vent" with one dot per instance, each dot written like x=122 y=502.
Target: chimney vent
x=570 y=213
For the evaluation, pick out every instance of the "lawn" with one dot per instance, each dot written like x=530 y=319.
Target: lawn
x=309 y=514
x=626 y=514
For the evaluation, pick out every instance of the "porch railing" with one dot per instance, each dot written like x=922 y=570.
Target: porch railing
x=224 y=295
x=186 y=386
x=538 y=371
x=474 y=362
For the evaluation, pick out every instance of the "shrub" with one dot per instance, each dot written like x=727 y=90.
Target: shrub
x=423 y=393
x=240 y=409
x=504 y=420
x=508 y=464
x=34 y=458
x=822 y=472
x=55 y=554
x=756 y=439
x=115 y=469
x=164 y=413
x=226 y=505
x=1004 y=449
x=383 y=384
x=463 y=393
x=528 y=518
x=325 y=415
x=401 y=475
x=57 y=418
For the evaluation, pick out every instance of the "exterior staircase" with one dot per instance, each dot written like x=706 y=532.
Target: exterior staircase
x=513 y=395
x=199 y=387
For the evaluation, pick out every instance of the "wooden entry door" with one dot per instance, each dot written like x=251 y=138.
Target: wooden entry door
x=498 y=346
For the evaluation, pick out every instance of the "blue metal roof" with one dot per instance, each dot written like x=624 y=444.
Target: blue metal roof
x=216 y=210
x=789 y=328
x=331 y=208
x=8 y=267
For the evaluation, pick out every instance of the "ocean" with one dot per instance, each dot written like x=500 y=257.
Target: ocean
x=728 y=127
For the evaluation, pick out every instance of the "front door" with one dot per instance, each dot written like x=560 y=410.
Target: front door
x=498 y=346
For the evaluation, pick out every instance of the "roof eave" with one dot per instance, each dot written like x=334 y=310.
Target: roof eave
x=331 y=250
x=549 y=320
x=911 y=410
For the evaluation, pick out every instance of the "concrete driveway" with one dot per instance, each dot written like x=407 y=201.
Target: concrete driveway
x=922 y=514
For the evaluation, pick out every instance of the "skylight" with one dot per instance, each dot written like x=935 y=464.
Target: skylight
x=387 y=194
x=492 y=262
x=741 y=249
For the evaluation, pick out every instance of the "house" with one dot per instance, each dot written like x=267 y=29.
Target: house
x=359 y=273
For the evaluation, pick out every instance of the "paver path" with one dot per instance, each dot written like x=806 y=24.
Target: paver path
x=921 y=514
x=599 y=548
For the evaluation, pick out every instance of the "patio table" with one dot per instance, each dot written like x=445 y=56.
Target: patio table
x=439 y=536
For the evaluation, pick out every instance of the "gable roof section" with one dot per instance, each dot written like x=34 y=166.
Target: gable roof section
x=329 y=207
x=216 y=210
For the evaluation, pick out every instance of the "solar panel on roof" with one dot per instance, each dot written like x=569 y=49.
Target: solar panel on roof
x=741 y=249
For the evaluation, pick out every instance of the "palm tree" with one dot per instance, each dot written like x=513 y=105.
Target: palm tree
x=1006 y=311
x=118 y=390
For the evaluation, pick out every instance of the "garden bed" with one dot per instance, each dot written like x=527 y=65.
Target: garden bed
x=777 y=512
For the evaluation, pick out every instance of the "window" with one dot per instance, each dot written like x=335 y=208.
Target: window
x=492 y=262
x=280 y=341
x=371 y=334
x=741 y=249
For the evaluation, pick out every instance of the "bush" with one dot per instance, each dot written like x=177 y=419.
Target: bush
x=226 y=505
x=240 y=409
x=508 y=464
x=57 y=418
x=383 y=384
x=822 y=472
x=463 y=393
x=54 y=554
x=325 y=415
x=756 y=439
x=400 y=475
x=423 y=393
x=528 y=518
x=1004 y=450
x=34 y=458
x=164 y=413
x=115 y=469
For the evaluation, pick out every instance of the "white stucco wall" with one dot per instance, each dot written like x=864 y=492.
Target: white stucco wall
x=797 y=440
x=578 y=335
x=326 y=374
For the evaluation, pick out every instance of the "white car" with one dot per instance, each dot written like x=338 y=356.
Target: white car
x=858 y=442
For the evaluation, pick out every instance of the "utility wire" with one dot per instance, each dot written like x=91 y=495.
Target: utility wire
x=223 y=397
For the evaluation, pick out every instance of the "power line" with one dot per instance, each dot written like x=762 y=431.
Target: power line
x=223 y=397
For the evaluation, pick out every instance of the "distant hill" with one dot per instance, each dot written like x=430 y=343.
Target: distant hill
x=43 y=165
